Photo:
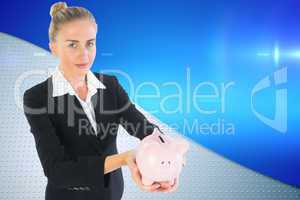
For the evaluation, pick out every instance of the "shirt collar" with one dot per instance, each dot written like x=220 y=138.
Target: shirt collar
x=61 y=86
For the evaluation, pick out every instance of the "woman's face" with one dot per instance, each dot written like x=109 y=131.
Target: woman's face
x=76 y=46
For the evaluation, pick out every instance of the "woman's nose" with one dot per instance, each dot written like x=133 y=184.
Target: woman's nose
x=83 y=53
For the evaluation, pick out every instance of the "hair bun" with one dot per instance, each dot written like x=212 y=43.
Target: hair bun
x=57 y=7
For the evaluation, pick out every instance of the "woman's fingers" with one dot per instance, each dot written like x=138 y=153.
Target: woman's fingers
x=165 y=185
x=150 y=188
x=168 y=187
x=138 y=179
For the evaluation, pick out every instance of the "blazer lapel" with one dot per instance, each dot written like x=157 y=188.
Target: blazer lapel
x=73 y=111
x=98 y=103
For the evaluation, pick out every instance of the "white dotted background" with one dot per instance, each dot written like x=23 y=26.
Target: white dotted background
x=206 y=176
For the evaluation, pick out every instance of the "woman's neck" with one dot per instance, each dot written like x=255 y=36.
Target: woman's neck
x=76 y=81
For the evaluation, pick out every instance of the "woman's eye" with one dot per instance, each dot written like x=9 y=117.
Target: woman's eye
x=91 y=44
x=72 y=45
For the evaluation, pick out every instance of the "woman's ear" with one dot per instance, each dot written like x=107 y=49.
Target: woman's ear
x=53 y=48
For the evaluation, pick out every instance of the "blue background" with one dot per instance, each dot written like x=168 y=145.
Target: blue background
x=220 y=41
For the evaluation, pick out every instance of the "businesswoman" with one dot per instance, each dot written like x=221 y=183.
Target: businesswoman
x=74 y=115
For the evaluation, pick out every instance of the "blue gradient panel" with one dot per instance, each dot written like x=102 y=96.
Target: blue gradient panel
x=244 y=55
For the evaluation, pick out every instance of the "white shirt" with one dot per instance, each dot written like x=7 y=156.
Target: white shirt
x=62 y=86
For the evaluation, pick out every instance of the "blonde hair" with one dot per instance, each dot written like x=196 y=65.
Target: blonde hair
x=60 y=14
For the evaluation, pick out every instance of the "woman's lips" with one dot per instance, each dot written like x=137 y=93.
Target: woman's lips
x=82 y=66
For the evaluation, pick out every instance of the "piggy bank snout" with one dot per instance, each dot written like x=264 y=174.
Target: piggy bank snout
x=166 y=163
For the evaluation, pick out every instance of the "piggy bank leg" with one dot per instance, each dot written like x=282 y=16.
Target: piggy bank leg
x=171 y=182
x=146 y=181
x=175 y=184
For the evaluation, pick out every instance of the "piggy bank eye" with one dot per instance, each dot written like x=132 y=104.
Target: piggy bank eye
x=162 y=162
x=169 y=162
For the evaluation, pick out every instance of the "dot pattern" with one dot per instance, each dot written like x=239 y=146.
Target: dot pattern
x=206 y=175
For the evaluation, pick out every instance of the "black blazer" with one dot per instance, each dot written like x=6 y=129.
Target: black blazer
x=71 y=154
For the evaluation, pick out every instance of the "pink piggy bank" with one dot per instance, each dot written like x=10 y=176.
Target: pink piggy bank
x=160 y=157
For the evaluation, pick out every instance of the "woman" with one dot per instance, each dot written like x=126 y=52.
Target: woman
x=73 y=116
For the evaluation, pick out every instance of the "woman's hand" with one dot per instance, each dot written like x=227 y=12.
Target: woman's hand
x=135 y=173
x=167 y=187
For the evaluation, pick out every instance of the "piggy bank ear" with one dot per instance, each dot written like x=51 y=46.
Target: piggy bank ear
x=181 y=145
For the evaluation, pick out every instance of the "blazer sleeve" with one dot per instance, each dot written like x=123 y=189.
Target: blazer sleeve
x=135 y=123
x=57 y=165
